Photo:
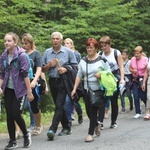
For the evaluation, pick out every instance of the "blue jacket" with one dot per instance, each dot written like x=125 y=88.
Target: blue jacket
x=18 y=74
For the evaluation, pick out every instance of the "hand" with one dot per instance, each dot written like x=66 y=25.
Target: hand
x=62 y=70
x=33 y=84
x=46 y=90
x=97 y=75
x=72 y=94
x=122 y=82
x=1 y=91
x=143 y=87
x=53 y=63
x=30 y=96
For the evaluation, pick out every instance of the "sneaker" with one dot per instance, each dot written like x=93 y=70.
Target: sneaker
x=65 y=132
x=123 y=110
x=11 y=145
x=101 y=126
x=97 y=130
x=80 y=119
x=37 y=130
x=31 y=128
x=27 y=140
x=50 y=134
x=113 y=126
x=72 y=116
x=137 y=116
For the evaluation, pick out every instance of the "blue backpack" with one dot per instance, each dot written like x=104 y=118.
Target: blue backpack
x=17 y=65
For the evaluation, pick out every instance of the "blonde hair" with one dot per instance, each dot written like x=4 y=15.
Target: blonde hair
x=71 y=42
x=138 y=49
x=105 y=39
x=27 y=37
x=14 y=36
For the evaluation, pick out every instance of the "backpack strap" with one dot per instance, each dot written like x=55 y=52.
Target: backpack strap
x=115 y=55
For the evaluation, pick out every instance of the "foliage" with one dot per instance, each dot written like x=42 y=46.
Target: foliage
x=125 y=21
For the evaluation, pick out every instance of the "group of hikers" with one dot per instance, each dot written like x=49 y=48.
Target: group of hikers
x=70 y=78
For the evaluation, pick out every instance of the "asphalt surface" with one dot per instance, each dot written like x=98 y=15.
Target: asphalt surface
x=131 y=134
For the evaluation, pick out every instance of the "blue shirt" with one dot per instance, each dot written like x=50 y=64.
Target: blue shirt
x=64 y=55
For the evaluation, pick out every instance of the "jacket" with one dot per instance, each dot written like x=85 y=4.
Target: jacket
x=108 y=82
x=69 y=80
x=18 y=75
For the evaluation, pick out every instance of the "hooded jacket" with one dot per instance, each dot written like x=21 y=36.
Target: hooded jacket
x=18 y=74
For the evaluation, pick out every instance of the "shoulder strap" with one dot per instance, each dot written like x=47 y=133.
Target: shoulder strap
x=115 y=55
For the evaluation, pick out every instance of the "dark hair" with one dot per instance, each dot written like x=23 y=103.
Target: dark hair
x=93 y=41
x=126 y=51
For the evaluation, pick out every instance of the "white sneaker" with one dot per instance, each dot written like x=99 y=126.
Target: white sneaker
x=137 y=116
x=31 y=128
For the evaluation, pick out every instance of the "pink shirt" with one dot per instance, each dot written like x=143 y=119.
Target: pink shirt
x=139 y=65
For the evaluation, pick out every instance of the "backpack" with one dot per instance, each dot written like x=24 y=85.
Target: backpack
x=17 y=65
x=115 y=55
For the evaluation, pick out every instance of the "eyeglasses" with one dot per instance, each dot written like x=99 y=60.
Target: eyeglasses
x=102 y=42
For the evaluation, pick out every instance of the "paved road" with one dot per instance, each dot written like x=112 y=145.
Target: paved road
x=131 y=134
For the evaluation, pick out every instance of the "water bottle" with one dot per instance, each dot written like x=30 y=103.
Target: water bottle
x=122 y=88
x=141 y=82
x=30 y=73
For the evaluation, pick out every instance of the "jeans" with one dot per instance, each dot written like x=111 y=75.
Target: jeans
x=59 y=93
x=138 y=94
x=129 y=95
x=28 y=107
x=69 y=106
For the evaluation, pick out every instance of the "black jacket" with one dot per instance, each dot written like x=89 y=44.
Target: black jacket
x=69 y=80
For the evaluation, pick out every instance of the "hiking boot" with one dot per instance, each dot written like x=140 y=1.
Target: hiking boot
x=65 y=132
x=50 y=134
x=11 y=145
x=80 y=119
x=27 y=140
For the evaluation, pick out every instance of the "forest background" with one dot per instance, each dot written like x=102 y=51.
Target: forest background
x=127 y=22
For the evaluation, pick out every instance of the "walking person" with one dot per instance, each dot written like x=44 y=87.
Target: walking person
x=138 y=67
x=115 y=61
x=36 y=59
x=15 y=84
x=146 y=86
x=71 y=106
x=54 y=60
x=93 y=62
x=128 y=78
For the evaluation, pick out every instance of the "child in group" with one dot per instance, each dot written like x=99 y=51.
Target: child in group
x=15 y=84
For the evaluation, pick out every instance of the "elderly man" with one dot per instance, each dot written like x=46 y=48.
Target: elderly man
x=54 y=60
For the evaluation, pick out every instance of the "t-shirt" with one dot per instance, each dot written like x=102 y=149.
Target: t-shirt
x=139 y=65
x=111 y=60
x=126 y=67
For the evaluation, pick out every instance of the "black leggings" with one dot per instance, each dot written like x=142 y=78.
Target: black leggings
x=34 y=103
x=14 y=108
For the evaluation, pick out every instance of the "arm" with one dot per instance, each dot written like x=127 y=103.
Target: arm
x=29 y=90
x=44 y=78
x=77 y=81
x=120 y=64
x=37 y=75
x=145 y=79
x=1 y=82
